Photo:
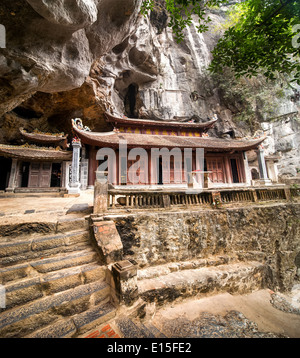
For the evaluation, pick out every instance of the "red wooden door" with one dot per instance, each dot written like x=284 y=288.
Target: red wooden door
x=216 y=166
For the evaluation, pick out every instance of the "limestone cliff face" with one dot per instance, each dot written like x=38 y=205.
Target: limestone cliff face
x=78 y=59
x=51 y=45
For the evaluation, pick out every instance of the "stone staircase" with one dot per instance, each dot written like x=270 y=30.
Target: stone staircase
x=54 y=283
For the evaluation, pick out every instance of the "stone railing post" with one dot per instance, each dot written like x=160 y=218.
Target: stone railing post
x=254 y=195
x=166 y=201
x=124 y=274
x=287 y=194
x=100 y=193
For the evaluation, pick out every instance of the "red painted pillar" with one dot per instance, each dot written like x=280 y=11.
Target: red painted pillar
x=117 y=169
x=227 y=170
x=149 y=167
x=92 y=166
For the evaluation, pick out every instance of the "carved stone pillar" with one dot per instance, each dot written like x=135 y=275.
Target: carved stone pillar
x=75 y=184
x=92 y=167
x=262 y=164
x=125 y=281
x=12 y=177
x=100 y=193
x=262 y=168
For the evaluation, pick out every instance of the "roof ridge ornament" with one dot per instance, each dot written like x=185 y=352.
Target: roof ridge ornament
x=77 y=122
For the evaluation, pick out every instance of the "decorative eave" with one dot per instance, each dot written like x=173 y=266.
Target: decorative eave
x=35 y=154
x=45 y=138
x=162 y=124
x=113 y=140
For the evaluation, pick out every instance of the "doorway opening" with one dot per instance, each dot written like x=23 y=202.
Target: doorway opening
x=160 y=172
x=24 y=173
x=56 y=175
x=5 y=167
x=234 y=171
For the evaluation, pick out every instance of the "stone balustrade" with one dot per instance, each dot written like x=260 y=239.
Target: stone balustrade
x=136 y=199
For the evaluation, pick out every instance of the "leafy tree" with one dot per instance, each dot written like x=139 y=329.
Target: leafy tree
x=263 y=39
x=264 y=36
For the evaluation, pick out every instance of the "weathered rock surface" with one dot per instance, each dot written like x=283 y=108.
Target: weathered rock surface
x=284 y=140
x=52 y=45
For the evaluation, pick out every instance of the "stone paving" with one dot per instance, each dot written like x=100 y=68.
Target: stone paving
x=39 y=204
x=218 y=316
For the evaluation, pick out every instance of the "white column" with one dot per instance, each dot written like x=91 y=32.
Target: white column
x=262 y=168
x=12 y=177
x=247 y=170
x=262 y=164
x=75 y=184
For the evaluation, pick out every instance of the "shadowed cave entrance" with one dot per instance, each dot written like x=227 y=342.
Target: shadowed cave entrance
x=131 y=101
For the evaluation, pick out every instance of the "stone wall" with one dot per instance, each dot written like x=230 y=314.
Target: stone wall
x=269 y=234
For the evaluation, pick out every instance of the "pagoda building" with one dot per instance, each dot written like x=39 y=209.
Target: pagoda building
x=133 y=153
x=38 y=165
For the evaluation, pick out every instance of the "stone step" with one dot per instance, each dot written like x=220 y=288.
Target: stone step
x=80 y=303
x=134 y=328
x=44 y=265
x=236 y=277
x=70 y=224
x=18 y=250
x=165 y=269
x=154 y=330
x=78 y=324
x=22 y=291
x=15 y=227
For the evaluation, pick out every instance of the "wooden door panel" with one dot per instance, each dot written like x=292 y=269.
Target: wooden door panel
x=216 y=166
x=34 y=175
x=45 y=175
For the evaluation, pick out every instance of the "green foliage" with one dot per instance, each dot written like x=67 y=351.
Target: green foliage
x=261 y=39
x=260 y=34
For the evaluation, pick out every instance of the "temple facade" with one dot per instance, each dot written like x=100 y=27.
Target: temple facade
x=38 y=165
x=138 y=153
x=151 y=153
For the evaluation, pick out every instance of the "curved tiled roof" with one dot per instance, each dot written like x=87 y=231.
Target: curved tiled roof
x=154 y=123
x=113 y=139
x=28 y=153
x=44 y=138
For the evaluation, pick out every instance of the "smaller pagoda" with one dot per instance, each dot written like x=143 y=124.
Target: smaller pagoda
x=37 y=165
